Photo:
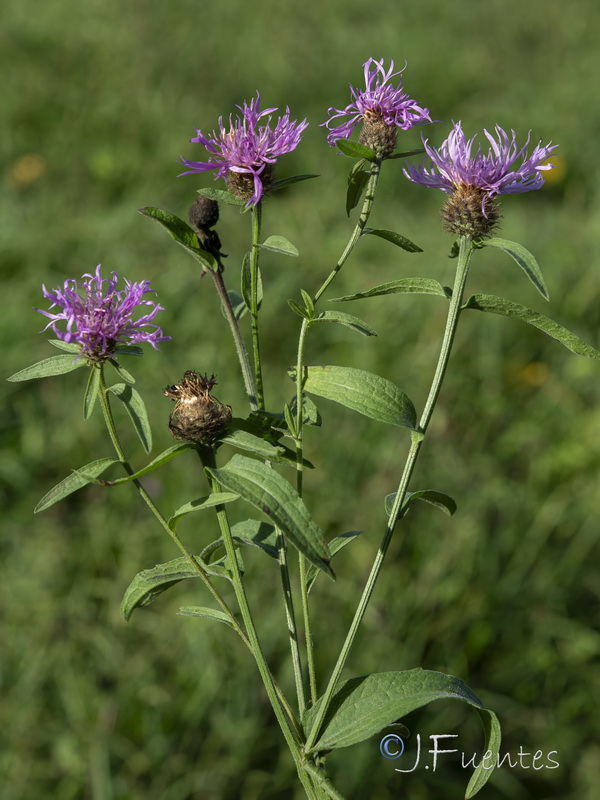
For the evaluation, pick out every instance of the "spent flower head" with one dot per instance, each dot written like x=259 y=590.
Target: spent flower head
x=381 y=107
x=98 y=317
x=245 y=153
x=474 y=179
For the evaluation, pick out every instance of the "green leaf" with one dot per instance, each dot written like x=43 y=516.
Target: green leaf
x=335 y=545
x=238 y=305
x=362 y=707
x=498 y=305
x=207 y=613
x=310 y=413
x=128 y=350
x=91 y=392
x=270 y=493
x=524 y=259
x=350 y=321
x=221 y=196
x=407 y=153
x=165 y=456
x=438 y=499
x=402 y=286
x=298 y=309
x=279 y=244
x=183 y=235
x=357 y=182
x=67 y=347
x=394 y=238
x=121 y=371
x=136 y=409
x=246 y=284
x=73 y=482
x=308 y=302
x=283 y=183
x=277 y=453
x=362 y=391
x=355 y=150
x=150 y=583
x=55 y=365
x=202 y=503
x=259 y=534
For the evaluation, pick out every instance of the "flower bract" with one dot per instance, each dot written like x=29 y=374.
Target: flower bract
x=98 y=317
x=245 y=152
x=379 y=102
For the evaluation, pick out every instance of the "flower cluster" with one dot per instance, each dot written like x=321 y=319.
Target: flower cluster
x=99 y=317
x=381 y=107
x=246 y=153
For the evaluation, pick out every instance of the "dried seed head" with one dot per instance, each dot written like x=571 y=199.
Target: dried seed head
x=470 y=211
x=204 y=212
x=197 y=417
x=378 y=135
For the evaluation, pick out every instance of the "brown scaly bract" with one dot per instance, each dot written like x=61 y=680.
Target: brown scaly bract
x=197 y=417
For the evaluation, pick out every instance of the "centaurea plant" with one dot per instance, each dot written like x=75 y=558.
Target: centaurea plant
x=96 y=326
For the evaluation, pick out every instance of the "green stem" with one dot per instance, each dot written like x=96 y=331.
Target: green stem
x=254 y=258
x=462 y=270
x=288 y=601
x=352 y=242
x=237 y=339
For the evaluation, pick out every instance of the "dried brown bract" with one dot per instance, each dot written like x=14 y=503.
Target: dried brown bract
x=198 y=416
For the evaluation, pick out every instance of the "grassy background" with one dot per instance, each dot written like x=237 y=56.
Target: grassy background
x=99 y=99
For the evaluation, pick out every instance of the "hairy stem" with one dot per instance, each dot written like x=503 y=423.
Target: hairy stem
x=254 y=274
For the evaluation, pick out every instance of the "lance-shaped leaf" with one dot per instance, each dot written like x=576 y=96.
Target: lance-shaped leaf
x=55 y=365
x=221 y=196
x=402 y=286
x=270 y=493
x=277 y=453
x=259 y=534
x=335 y=545
x=357 y=181
x=206 y=613
x=201 y=504
x=279 y=244
x=238 y=305
x=394 y=238
x=348 y=320
x=524 y=259
x=73 y=482
x=362 y=707
x=121 y=371
x=246 y=283
x=362 y=391
x=91 y=392
x=355 y=150
x=66 y=347
x=150 y=583
x=136 y=409
x=438 y=499
x=183 y=235
x=498 y=305
x=283 y=183
x=165 y=456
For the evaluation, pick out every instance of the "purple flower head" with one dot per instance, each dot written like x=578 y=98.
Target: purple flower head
x=245 y=154
x=379 y=102
x=454 y=165
x=99 y=317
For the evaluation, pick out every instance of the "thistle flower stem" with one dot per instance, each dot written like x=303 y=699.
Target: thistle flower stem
x=240 y=347
x=462 y=270
x=292 y=736
x=254 y=259
x=352 y=242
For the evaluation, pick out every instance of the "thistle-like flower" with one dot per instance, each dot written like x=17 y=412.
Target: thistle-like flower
x=246 y=153
x=98 y=317
x=197 y=416
x=380 y=107
x=474 y=179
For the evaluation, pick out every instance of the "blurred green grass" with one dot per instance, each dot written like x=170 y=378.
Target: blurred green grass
x=98 y=102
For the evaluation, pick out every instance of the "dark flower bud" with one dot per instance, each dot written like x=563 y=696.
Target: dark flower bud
x=204 y=212
x=470 y=211
x=197 y=417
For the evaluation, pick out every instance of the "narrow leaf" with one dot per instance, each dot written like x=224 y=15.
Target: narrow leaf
x=524 y=259
x=150 y=583
x=438 y=499
x=165 y=456
x=355 y=150
x=394 y=238
x=498 y=305
x=183 y=234
x=201 y=504
x=128 y=350
x=207 y=613
x=73 y=482
x=493 y=737
x=298 y=309
x=357 y=182
x=67 y=347
x=238 y=305
x=55 y=365
x=279 y=244
x=402 y=286
x=91 y=392
x=308 y=302
x=335 y=545
x=258 y=534
x=283 y=183
x=277 y=453
x=362 y=391
x=407 y=153
x=122 y=372
x=310 y=413
x=268 y=491
x=350 y=321
x=221 y=196
x=246 y=283
x=136 y=409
